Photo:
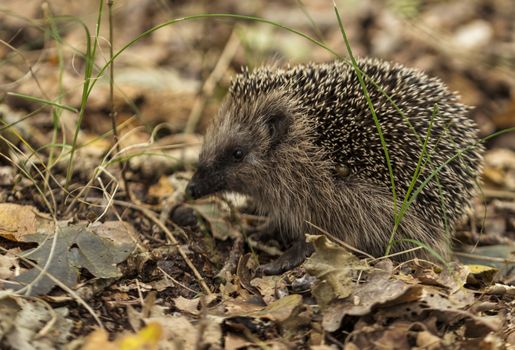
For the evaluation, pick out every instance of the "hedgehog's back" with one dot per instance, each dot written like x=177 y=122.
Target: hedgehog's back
x=431 y=119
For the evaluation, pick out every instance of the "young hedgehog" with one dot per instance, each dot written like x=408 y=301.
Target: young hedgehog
x=303 y=144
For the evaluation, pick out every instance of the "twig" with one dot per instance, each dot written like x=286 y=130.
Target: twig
x=202 y=324
x=209 y=85
x=85 y=189
x=232 y=262
x=342 y=243
x=149 y=214
x=398 y=253
x=175 y=281
x=498 y=194
x=140 y=294
x=112 y=113
x=486 y=258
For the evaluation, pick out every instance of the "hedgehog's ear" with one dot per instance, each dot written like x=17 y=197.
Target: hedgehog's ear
x=278 y=124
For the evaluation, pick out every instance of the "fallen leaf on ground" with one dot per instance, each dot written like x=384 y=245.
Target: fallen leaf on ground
x=179 y=333
x=17 y=221
x=453 y=276
x=147 y=338
x=281 y=309
x=334 y=266
x=8 y=265
x=192 y=306
x=481 y=274
x=216 y=214
x=73 y=248
x=32 y=324
x=268 y=286
x=380 y=289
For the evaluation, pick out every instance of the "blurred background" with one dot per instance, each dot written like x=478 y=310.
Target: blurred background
x=176 y=77
x=470 y=44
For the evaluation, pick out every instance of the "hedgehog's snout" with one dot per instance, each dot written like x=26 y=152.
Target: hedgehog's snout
x=204 y=182
x=193 y=190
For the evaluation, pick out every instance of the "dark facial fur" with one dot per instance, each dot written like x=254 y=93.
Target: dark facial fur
x=241 y=144
x=283 y=135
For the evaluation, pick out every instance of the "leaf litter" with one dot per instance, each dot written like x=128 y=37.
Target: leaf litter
x=333 y=298
x=147 y=295
x=97 y=249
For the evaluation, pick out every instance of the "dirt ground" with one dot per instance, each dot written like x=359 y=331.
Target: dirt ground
x=100 y=247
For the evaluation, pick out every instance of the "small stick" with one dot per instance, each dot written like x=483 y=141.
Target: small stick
x=232 y=262
x=498 y=194
x=176 y=282
x=396 y=254
x=149 y=214
x=202 y=325
x=207 y=89
x=340 y=242
x=485 y=258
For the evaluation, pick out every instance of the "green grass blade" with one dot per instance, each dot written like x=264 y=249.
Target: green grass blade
x=453 y=158
x=43 y=101
x=370 y=106
x=416 y=174
x=88 y=72
x=426 y=247
x=204 y=16
x=56 y=112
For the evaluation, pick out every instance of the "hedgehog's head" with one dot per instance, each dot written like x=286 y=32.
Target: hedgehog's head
x=243 y=144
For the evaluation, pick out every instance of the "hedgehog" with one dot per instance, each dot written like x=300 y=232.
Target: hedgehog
x=301 y=141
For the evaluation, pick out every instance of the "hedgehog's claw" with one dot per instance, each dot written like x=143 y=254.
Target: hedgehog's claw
x=290 y=259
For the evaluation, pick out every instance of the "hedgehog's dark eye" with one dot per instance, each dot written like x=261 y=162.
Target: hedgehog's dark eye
x=238 y=154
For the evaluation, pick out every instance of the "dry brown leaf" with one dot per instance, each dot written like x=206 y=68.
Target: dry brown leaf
x=267 y=287
x=334 y=266
x=99 y=339
x=19 y=220
x=217 y=215
x=378 y=290
x=238 y=307
x=480 y=274
x=32 y=324
x=500 y=167
x=453 y=277
x=179 y=333
x=190 y=306
x=7 y=174
x=234 y=288
x=321 y=347
x=429 y=341
x=8 y=265
x=394 y=336
x=282 y=309
x=97 y=248
x=234 y=342
x=500 y=289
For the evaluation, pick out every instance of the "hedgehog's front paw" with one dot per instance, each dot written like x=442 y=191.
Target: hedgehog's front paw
x=290 y=259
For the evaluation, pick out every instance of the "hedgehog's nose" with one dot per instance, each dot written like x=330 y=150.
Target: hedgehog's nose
x=192 y=190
